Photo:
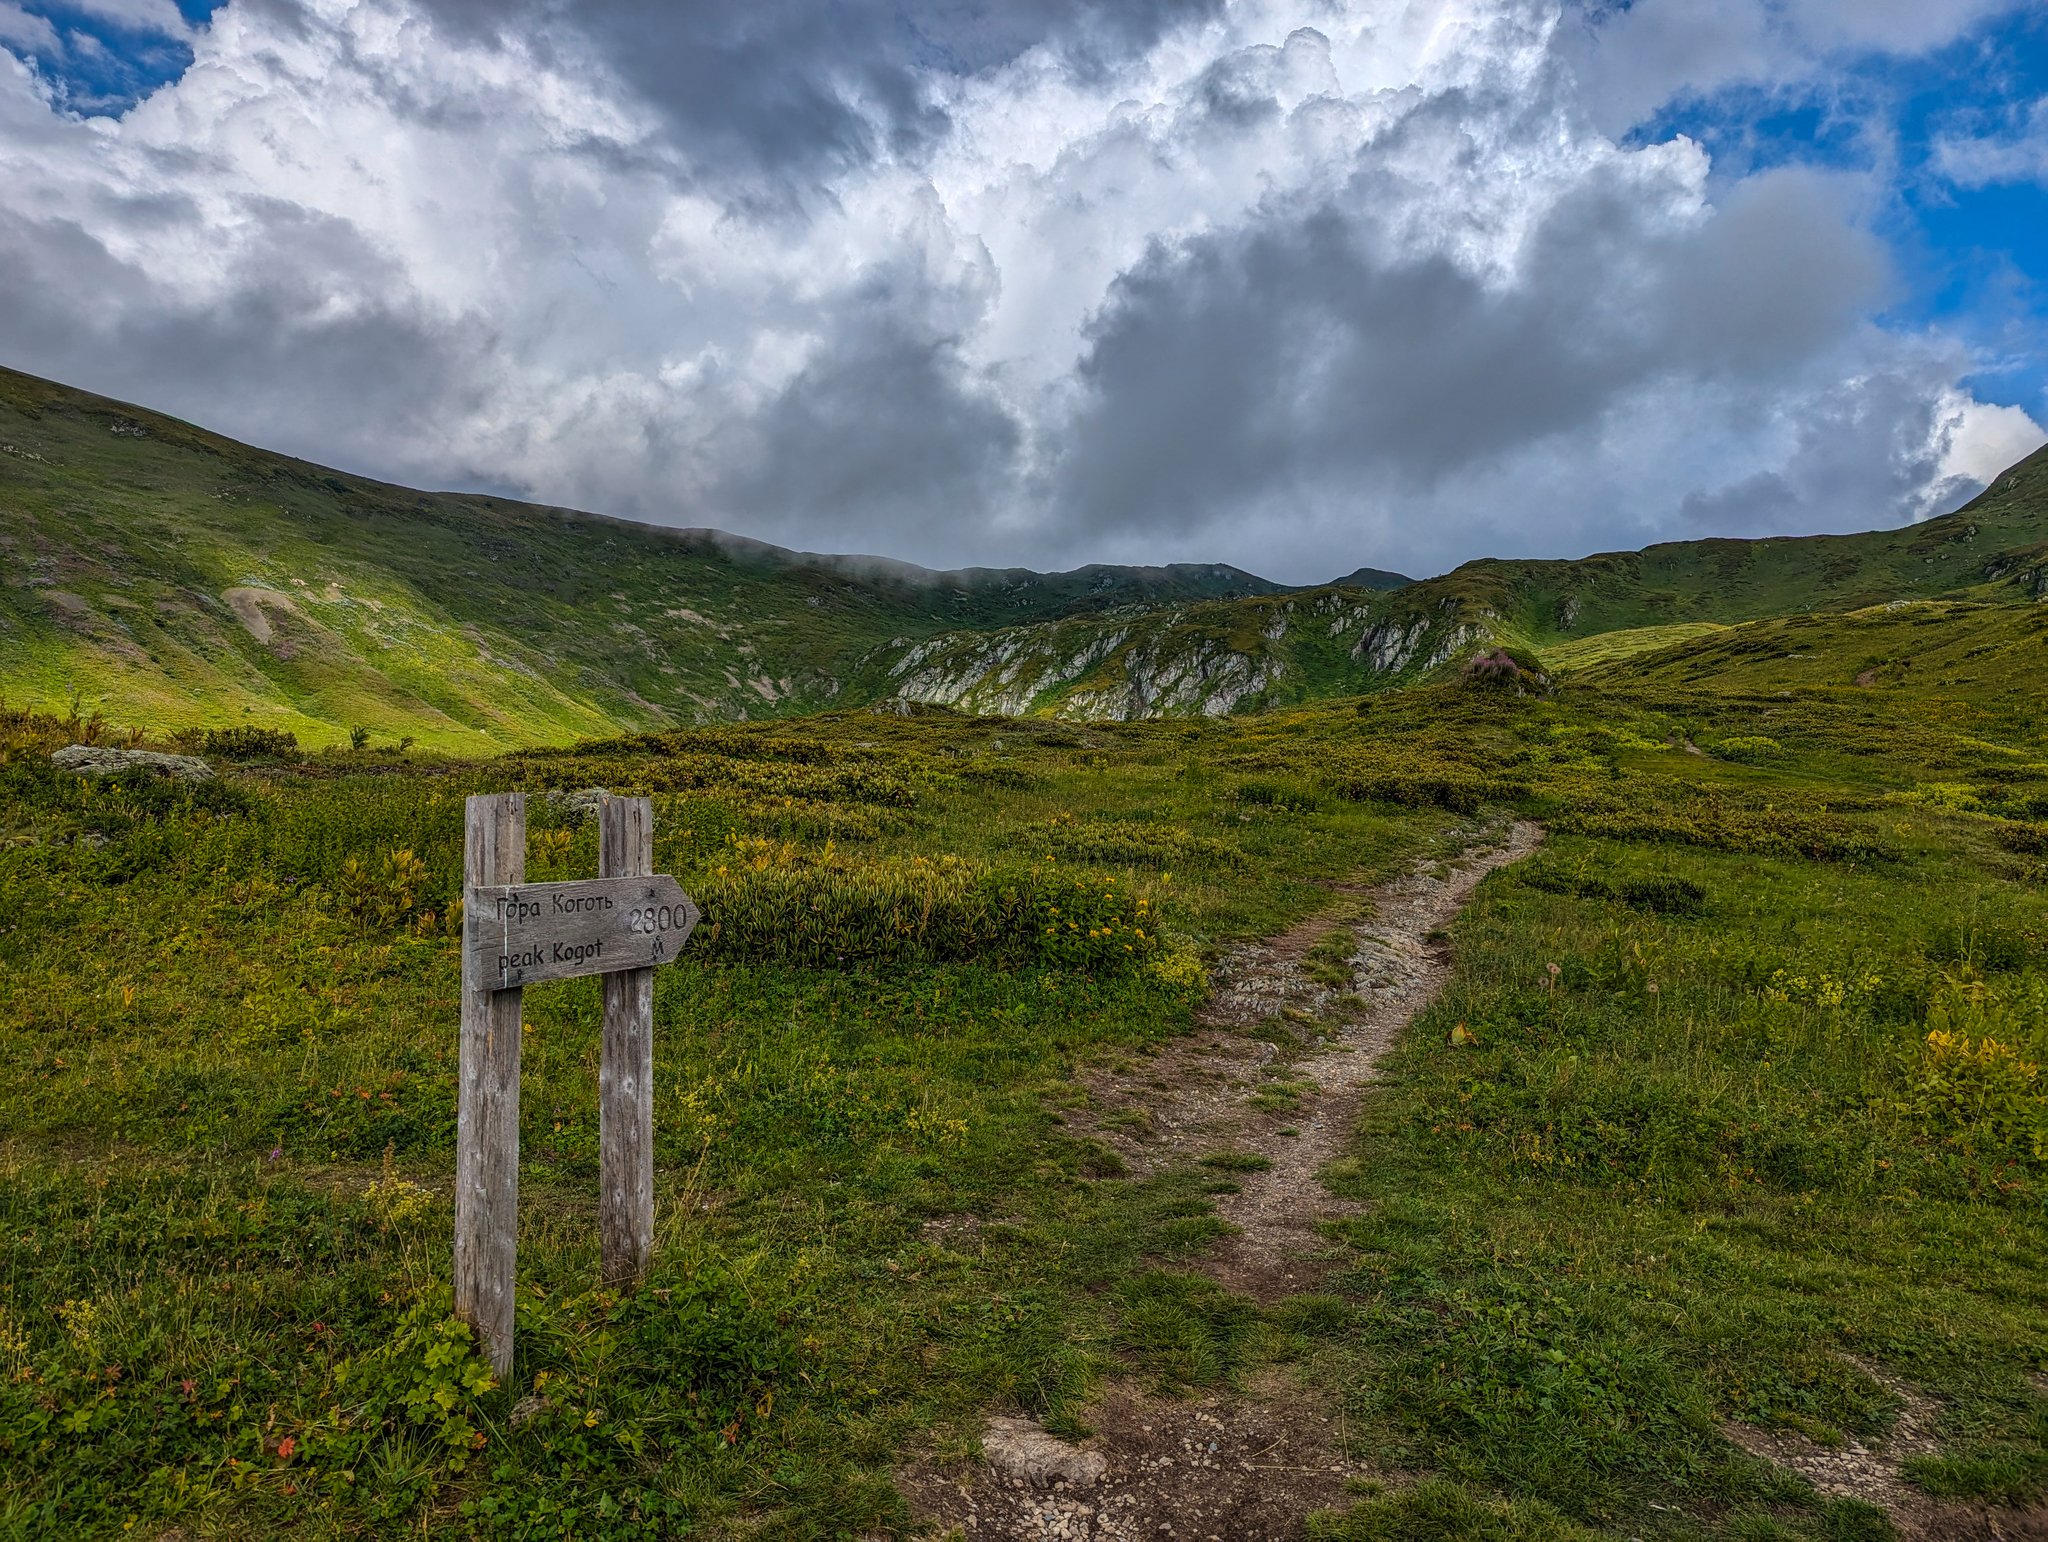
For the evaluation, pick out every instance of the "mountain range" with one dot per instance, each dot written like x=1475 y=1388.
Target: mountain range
x=166 y=575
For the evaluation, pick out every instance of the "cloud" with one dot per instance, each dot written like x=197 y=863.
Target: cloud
x=1632 y=58
x=1295 y=284
x=25 y=32
x=2015 y=152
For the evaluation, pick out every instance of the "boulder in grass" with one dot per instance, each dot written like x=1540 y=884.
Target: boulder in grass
x=578 y=804
x=1030 y=1453
x=99 y=760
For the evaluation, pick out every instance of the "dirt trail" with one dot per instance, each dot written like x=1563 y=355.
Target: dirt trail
x=1239 y=1467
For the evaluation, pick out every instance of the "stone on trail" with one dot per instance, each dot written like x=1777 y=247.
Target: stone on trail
x=1018 y=1448
x=97 y=760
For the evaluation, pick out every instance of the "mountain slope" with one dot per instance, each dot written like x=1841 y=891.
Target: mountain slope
x=173 y=576
x=1274 y=649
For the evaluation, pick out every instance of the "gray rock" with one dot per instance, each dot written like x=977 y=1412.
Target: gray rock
x=579 y=805
x=98 y=760
x=1018 y=1448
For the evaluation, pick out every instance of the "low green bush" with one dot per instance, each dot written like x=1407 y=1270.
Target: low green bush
x=1664 y=896
x=251 y=744
x=1134 y=842
x=1290 y=796
x=1816 y=837
x=1460 y=792
x=1749 y=749
x=818 y=910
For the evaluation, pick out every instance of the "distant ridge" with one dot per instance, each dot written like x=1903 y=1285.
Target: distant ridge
x=171 y=576
x=1372 y=578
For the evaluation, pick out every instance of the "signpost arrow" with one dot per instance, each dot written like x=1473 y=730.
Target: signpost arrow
x=523 y=934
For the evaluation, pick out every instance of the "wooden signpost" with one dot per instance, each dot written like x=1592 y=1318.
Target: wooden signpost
x=620 y=924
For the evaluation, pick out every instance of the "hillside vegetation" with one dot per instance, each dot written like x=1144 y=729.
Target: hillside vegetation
x=170 y=576
x=165 y=575
x=1274 y=649
x=1729 y=1129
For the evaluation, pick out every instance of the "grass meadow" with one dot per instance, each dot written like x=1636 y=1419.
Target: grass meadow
x=1747 y=1109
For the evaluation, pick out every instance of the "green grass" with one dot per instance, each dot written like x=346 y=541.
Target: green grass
x=1627 y=642
x=1609 y=1219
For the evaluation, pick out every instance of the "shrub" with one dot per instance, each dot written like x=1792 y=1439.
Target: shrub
x=1988 y=949
x=1131 y=841
x=814 y=910
x=2029 y=840
x=251 y=743
x=427 y=1377
x=1780 y=833
x=1665 y=896
x=853 y=782
x=1978 y=1094
x=393 y=890
x=1280 y=795
x=1501 y=669
x=1460 y=791
x=1661 y=896
x=1748 y=750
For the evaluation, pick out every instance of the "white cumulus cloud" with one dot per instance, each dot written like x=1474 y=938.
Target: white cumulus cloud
x=1297 y=284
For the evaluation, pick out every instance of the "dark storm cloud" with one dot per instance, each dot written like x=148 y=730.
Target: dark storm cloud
x=886 y=430
x=800 y=88
x=275 y=358
x=1314 y=346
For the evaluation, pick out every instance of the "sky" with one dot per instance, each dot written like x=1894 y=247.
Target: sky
x=1299 y=285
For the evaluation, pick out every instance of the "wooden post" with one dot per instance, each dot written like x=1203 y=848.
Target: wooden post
x=625 y=1076
x=487 y=1110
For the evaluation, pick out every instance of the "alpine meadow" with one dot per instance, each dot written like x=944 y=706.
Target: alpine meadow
x=1543 y=1053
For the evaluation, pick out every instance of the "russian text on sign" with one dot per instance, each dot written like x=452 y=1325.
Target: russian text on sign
x=522 y=934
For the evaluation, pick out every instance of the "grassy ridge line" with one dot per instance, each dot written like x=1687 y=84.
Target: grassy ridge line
x=470 y=621
x=174 y=576
x=1272 y=651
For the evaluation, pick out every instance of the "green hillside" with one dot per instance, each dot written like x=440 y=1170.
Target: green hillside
x=1993 y=548
x=1281 y=649
x=173 y=576
x=1968 y=655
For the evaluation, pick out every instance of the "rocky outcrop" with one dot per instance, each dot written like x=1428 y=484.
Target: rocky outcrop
x=1186 y=661
x=1388 y=645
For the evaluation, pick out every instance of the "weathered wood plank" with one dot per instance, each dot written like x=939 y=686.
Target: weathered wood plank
x=625 y=1078
x=487 y=1109
x=529 y=933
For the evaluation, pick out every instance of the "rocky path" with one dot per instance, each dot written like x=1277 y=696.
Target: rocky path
x=1242 y=1467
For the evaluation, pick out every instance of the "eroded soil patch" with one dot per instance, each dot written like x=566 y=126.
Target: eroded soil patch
x=1875 y=1471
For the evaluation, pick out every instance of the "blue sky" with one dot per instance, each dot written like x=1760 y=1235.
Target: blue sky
x=1971 y=257
x=110 y=55
x=1053 y=281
